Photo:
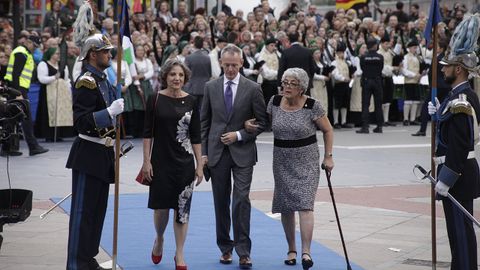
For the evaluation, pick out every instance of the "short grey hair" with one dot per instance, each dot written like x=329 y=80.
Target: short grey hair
x=232 y=49
x=299 y=74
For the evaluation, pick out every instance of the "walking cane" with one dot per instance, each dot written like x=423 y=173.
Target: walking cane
x=426 y=175
x=126 y=147
x=328 y=174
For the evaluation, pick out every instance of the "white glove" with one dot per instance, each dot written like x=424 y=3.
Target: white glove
x=115 y=108
x=432 y=109
x=441 y=188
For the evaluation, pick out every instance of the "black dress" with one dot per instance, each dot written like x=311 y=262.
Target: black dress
x=42 y=128
x=177 y=127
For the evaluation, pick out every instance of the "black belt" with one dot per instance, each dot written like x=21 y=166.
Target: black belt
x=295 y=143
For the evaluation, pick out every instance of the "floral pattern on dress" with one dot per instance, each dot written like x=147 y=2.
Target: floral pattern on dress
x=183 y=132
x=184 y=204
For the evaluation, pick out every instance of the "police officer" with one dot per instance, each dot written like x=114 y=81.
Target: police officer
x=92 y=155
x=19 y=75
x=372 y=65
x=458 y=172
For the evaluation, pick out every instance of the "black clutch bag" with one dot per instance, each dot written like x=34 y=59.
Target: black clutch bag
x=206 y=173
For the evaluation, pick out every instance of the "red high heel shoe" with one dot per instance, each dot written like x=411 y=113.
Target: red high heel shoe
x=179 y=267
x=156 y=259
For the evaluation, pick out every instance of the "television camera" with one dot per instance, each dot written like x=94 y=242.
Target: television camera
x=15 y=204
x=12 y=112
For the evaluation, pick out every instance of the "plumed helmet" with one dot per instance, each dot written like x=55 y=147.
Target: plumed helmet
x=467 y=60
x=96 y=42
x=461 y=50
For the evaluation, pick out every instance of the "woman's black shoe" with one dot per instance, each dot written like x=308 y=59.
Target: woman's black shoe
x=50 y=140
x=307 y=263
x=291 y=261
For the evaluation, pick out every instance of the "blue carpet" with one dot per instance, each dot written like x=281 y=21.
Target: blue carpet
x=136 y=236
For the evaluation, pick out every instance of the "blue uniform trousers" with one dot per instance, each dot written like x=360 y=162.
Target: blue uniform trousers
x=463 y=244
x=87 y=213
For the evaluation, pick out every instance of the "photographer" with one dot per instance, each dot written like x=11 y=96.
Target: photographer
x=19 y=75
x=290 y=10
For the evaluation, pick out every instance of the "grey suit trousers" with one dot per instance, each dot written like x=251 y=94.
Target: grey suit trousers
x=222 y=186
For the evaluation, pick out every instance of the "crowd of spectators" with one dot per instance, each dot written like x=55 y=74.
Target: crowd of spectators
x=262 y=33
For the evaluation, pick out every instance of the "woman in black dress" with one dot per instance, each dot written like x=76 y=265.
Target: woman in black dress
x=173 y=121
x=48 y=73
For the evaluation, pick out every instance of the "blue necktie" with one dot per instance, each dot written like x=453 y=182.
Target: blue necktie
x=228 y=98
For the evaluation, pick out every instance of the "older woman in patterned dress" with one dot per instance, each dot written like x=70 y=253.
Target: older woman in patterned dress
x=173 y=123
x=295 y=118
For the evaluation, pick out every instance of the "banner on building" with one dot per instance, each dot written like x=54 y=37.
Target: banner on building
x=347 y=4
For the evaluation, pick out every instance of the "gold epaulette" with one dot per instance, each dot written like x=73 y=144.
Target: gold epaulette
x=461 y=105
x=86 y=81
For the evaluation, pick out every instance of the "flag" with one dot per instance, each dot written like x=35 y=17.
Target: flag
x=137 y=6
x=433 y=19
x=127 y=46
x=128 y=53
x=347 y=4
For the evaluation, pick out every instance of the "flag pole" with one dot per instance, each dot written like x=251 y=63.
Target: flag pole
x=432 y=150
x=117 y=144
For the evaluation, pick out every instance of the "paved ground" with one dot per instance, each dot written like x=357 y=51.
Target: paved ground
x=385 y=211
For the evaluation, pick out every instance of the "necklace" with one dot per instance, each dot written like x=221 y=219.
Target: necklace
x=175 y=94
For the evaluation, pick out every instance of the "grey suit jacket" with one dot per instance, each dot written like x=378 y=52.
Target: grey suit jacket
x=200 y=66
x=248 y=103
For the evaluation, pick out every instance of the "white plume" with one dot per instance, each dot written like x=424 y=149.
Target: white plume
x=83 y=25
x=464 y=39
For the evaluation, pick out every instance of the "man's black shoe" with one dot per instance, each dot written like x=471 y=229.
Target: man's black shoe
x=378 y=130
x=245 y=262
x=337 y=126
x=406 y=122
x=95 y=266
x=414 y=123
x=38 y=150
x=389 y=124
x=419 y=133
x=347 y=125
x=10 y=153
x=363 y=131
x=101 y=268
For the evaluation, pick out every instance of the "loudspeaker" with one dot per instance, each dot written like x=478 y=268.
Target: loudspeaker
x=15 y=205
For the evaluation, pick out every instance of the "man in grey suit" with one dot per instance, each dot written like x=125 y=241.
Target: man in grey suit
x=200 y=66
x=227 y=148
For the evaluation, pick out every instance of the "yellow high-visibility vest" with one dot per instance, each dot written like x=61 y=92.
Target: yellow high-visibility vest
x=26 y=75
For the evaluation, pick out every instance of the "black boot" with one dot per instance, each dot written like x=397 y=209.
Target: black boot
x=378 y=130
x=363 y=130
x=5 y=153
x=37 y=150
x=419 y=133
